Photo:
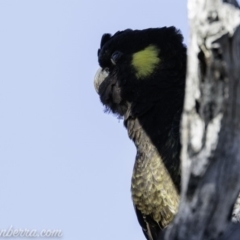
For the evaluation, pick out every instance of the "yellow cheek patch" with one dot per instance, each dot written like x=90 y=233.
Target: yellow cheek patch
x=145 y=61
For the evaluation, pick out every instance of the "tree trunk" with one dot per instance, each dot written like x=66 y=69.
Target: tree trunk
x=210 y=126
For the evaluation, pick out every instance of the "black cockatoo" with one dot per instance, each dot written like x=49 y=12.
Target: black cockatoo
x=142 y=79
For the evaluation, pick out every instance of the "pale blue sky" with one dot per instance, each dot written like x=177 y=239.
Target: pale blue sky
x=64 y=163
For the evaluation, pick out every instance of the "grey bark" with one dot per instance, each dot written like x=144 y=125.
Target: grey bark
x=210 y=126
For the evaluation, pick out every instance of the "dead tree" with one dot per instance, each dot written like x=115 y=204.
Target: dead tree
x=210 y=125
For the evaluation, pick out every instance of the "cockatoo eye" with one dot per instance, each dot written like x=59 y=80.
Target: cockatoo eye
x=115 y=57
